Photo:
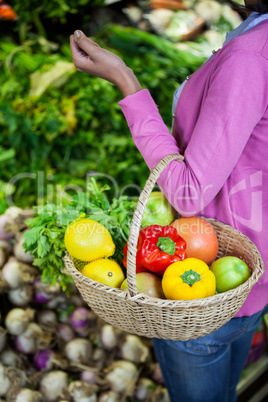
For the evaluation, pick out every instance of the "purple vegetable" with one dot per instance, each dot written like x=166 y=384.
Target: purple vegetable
x=79 y=319
x=65 y=332
x=41 y=297
x=43 y=360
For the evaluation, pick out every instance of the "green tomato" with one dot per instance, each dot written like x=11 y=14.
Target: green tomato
x=158 y=211
x=230 y=272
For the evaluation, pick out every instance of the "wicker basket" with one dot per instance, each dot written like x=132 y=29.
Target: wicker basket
x=140 y=314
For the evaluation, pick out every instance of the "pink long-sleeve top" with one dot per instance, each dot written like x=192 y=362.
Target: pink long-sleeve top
x=221 y=129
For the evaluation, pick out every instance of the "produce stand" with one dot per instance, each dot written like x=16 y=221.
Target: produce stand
x=53 y=123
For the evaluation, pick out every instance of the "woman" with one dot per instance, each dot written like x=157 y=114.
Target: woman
x=221 y=127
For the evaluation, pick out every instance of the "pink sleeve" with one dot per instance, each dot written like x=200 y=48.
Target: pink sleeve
x=235 y=102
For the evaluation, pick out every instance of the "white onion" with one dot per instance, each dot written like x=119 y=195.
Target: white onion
x=21 y=296
x=2 y=257
x=161 y=394
x=20 y=252
x=27 y=395
x=122 y=376
x=53 y=384
x=17 y=320
x=109 y=396
x=4 y=380
x=82 y=392
x=16 y=273
x=6 y=246
x=28 y=341
x=7 y=227
x=99 y=357
x=47 y=319
x=78 y=350
x=108 y=336
x=3 y=338
x=144 y=388
x=11 y=358
x=134 y=349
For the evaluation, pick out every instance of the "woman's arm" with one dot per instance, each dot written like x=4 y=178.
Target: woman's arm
x=236 y=101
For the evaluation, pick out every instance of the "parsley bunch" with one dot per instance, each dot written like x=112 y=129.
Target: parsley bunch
x=45 y=237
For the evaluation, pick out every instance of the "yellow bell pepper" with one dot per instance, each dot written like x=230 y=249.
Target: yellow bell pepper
x=188 y=279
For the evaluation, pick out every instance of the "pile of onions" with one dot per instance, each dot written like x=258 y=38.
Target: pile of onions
x=55 y=348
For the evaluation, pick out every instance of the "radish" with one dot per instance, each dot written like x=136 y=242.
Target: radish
x=43 y=359
x=44 y=292
x=17 y=320
x=88 y=376
x=79 y=320
x=65 y=332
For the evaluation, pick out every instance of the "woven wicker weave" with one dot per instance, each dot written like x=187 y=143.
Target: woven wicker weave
x=140 y=314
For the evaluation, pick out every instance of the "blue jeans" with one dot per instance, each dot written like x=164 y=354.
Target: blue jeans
x=207 y=369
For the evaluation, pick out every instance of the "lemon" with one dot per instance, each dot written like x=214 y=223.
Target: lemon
x=88 y=240
x=105 y=271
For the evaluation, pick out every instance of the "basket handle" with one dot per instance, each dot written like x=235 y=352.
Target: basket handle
x=137 y=218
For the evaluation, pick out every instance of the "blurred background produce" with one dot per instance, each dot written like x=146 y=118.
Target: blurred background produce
x=58 y=127
x=58 y=124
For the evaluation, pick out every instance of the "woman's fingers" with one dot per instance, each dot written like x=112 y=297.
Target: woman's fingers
x=79 y=56
x=84 y=42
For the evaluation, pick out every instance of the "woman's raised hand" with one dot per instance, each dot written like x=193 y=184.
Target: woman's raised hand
x=90 y=58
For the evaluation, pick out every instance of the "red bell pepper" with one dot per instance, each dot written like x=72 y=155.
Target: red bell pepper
x=157 y=248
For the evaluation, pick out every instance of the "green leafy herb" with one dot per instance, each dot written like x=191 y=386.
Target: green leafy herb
x=45 y=237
